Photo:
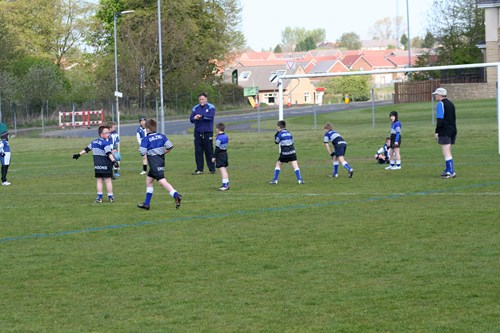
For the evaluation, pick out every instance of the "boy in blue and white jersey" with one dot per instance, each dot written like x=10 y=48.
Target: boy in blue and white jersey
x=394 y=153
x=220 y=155
x=155 y=146
x=141 y=133
x=5 y=157
x=339 y=148
x=104 y=162
x=115 y=142
x=382 y=155
x=284 y=139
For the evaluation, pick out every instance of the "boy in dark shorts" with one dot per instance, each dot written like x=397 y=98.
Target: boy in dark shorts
x=155 y=146
x=220 y=155
x=104 y=161
x=284 y=139
x=339 y=148
x=394 y=148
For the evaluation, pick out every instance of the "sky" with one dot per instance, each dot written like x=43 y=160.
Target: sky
x=264 y=20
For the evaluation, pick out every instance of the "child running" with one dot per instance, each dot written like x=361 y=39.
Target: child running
x=155 y=146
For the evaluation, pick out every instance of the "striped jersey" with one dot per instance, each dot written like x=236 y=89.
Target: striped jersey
x=396 y=130
x=154 y=146
x=101 y=148
x=221 y=143
x=334 y=137
x=285 y=140
x=114 y=139
x=141 y=132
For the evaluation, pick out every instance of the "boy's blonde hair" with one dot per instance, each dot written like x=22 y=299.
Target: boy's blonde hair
x=328 y=126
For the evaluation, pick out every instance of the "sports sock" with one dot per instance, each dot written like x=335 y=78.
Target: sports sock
x=393 y=162
x=398 y=162
x=346 y=165
x=276 y=173
x=149 y=195
x=297 y=174
x=173 y=194
x=225 y=182
x=144 y=168
x=99 y=195
x=335 y=168
x=449 y=166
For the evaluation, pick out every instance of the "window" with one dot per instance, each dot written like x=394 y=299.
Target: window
x=270 y=98
x=244 y=76
x=307 y=97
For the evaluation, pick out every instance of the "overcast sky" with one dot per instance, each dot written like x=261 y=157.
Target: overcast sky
x=264 y=20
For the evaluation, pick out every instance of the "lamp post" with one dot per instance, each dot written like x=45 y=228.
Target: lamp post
x=409 y=38
x=162 y=112
x=117 y=92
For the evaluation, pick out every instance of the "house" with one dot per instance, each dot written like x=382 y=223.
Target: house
x=294 y=91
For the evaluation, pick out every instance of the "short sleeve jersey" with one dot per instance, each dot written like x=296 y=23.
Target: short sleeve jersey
x=285 y=140
x=154 y=145
x=101 y=148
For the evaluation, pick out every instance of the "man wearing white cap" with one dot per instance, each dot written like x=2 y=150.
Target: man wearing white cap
x=446 y=129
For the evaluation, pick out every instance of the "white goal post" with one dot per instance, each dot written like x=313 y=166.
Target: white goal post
x=402 y=70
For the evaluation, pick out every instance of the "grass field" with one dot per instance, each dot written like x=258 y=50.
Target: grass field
x=385 y=251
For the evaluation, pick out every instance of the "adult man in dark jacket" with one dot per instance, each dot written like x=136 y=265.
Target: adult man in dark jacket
x=202 y=117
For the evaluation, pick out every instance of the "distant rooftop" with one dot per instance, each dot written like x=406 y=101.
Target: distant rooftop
x=488 y=3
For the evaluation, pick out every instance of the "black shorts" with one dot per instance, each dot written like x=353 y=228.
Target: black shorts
x=103 y=175
x=287 y=158
x=221 y=160
x=157 y=174
x=446 y=140
x=339 y=149
x=393 y=139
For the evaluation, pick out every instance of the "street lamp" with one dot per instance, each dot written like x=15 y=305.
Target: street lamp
x=117 y=92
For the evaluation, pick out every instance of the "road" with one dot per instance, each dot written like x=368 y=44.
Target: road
x=234 y=122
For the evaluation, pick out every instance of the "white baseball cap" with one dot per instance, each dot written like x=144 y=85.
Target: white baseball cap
x=440 y=91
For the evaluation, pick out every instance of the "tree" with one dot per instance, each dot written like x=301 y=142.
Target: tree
x=382 y=29
x=429 y=40
x=458 y=25
x=404 y=41
x=42 y=82
x=8 y=44
x=291 y=37
x=357 y=87
x=196 y=35
x=349 y=41
x=278 y=49
x=306 y=45
x=50 y=28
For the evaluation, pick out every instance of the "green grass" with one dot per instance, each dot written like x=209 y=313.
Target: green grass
x=386 y=251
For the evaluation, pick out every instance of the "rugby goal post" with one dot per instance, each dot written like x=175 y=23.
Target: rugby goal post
x=385 y=71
